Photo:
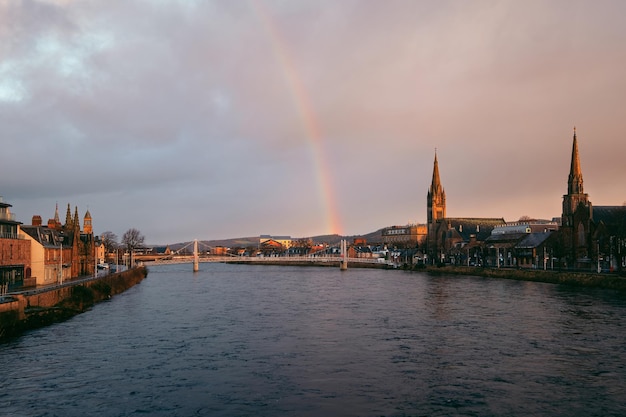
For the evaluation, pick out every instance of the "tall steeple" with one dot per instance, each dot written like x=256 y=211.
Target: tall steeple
x=56 y=214
x=68 y=218
x=577 y=215
x=76 y=220
x=436 y=211
x=575 y=195
x=436 y=199
x=575 y=180
x=435 y=186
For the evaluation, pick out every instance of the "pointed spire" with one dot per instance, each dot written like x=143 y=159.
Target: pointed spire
x=56 y=214
x=76 y=219
x=68 y=217
x=436 y=200
x=436 y=183
x=575 y=180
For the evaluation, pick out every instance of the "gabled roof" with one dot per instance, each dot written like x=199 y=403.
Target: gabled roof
x=468 y=227
x=47 y=237
x=160 y=249
x=611 y=216
x=271 y=243
x=506 y=237
x=362 y=249
x=532 y=240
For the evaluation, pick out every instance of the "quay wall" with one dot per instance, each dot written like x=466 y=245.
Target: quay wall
x=573 y=278
x=40 y=307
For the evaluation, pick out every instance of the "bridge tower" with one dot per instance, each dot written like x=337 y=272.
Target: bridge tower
x=195 y=256
x=343 y=263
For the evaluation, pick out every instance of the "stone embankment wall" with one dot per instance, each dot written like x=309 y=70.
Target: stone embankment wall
x=580 y=279
x=39 y=308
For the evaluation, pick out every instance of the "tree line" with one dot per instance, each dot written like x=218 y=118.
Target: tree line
x=131 y=240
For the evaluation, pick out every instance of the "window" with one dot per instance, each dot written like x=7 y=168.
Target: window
x=581 y=234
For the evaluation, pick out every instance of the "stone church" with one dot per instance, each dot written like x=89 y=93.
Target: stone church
x=591 y=236
x=453 y=239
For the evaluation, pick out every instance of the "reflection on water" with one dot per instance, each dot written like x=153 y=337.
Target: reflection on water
x=262 y=340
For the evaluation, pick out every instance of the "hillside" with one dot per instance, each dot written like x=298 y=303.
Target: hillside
x=373 y=237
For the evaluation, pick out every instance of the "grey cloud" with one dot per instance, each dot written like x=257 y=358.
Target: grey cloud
x=141 y=109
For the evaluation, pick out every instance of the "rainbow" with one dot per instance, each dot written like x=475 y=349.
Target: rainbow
x=307 y=115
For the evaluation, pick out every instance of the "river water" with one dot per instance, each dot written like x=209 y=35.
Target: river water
x=243 y=340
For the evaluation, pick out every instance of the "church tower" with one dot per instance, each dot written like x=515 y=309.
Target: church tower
x=577 y=213
x=436 y=198
x=436 y=208
x=88 y=229
x=575 y=194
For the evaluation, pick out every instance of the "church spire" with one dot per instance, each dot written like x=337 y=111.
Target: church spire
x=436 y=199
x=76 y=220
x=435 y=186
x=68 y=217
x=56 y=215
x=575 y=180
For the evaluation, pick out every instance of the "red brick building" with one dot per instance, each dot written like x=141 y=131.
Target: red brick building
x=15 y=268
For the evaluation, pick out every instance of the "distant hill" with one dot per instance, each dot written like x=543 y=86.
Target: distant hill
x=373 y=237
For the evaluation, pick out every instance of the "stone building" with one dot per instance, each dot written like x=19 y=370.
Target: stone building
x=453 y=239
x=61 y=251
x=411 y=235
x=588 y=238
x=592 y=237
x=15 y=262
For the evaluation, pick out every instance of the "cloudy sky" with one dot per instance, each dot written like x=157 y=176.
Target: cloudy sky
x=215 y=119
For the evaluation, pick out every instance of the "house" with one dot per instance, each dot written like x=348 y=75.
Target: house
x=15 y=255
x=285 y=241
x=534 y=251
x=60 y=252
x=410 y=235
x=271 y=247
x=515 y=244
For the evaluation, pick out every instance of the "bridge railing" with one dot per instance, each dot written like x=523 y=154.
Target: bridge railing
x=268 y=259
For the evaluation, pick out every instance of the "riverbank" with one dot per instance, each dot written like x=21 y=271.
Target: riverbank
x=324 y=262
x=41 y=307
x=579 y=279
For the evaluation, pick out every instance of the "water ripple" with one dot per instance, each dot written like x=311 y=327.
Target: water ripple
x=266 y=341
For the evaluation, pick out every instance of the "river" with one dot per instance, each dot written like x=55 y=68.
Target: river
x=244 y=340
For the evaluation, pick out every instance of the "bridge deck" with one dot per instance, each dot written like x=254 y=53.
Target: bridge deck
x=269 y=260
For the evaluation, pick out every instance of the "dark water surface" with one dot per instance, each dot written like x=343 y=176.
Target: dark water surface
x=240 y=340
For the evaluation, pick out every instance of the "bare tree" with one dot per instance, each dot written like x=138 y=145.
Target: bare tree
x=109 y=240
x=132 y=240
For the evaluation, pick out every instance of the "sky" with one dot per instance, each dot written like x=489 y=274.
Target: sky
x=190 y=119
